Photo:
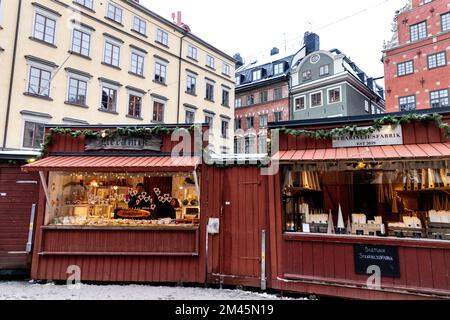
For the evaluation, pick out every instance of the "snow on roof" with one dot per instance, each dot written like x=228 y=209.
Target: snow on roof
x=258 y=62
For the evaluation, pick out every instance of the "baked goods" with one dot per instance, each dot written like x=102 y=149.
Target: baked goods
x=133 y=213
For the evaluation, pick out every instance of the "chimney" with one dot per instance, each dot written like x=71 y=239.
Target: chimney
x=176 y=17
x=274 y=51
x=239 y=60
x=312 y=42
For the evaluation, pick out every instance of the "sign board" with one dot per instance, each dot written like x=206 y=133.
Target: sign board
x=152 y=143
x=384 y=257
x=387 y=136
x=213 y=226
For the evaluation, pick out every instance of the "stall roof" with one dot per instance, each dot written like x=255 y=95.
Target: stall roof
x=115 y=164
x=412 y=151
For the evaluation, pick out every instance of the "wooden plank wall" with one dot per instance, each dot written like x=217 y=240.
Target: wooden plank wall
x=15 y=209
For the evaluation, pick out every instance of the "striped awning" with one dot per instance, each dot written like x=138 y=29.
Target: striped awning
x=114 y=164
x=402 y=152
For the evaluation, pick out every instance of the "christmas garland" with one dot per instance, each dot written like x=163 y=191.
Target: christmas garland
x=377 y=125
x=109 y=133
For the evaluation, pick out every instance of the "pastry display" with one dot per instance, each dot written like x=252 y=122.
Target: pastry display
x=133 y=213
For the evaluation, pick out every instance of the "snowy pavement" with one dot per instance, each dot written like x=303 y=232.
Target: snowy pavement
x=23 y=290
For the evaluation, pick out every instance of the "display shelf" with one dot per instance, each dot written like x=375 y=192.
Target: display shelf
x=300 y=189
x=427 y=190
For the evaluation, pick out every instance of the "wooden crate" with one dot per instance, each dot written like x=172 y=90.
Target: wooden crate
x=406 y=232
x=438 y=230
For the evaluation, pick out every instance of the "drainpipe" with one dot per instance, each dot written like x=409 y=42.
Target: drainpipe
x=289 y=96
x=179 y=78
x=11 y=78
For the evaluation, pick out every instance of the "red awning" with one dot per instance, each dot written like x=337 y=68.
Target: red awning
x=114 y=164
x=402 y=152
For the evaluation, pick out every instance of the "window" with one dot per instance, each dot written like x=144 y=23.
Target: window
x=192 y=52
x=162 y=37
x=139 y=25
x=137 y=64
x=262 y=144
x=112 y=54
x=237 y=123
x=191 y=84
x=316 y=99
x=439 y=98
x=114 y=13
x=405 y=68
x=86 y=3
x=300 y=103
x=225 y=125
x=263 y=120
x=418 y=31
x=160 y=72
x=39 y=82
x=278 y=69
x=109 y=99
x=334 y=95
x=81 y=42
x=407 y=103
x=373 y=109
x=366 y=106
x=209 y=92
x=278 y=116
x=237 y=145
x=33 y=135
x=210 y=61
x=77 y=91
x=134 y=106
x=238 y=103
x=250 y=122
x=324 y=70
x=158 y=111
x=44 y=28
x=277 y=94
x=306 y=75
x=226 y=69
x=225 y=98
x=238 y=80
x=437 y=60
x=250 y=100
x=445 y=22
x=250 y=145
x=190 y=117
x=427 y=1
x=209 y=120
x=257 y=75
x=264 y=96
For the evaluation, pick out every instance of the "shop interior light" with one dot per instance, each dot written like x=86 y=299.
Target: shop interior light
x=31 y=160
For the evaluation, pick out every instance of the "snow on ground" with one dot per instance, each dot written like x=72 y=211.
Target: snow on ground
x=22 y=290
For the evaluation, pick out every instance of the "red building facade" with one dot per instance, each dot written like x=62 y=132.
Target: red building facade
x=416 y=61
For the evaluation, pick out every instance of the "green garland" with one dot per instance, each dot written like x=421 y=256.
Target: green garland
x=377 y=125
x=109 y=133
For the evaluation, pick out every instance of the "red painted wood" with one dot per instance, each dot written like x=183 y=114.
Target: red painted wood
x=440 y=269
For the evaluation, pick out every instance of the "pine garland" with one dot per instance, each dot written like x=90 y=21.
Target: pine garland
x=377 y=125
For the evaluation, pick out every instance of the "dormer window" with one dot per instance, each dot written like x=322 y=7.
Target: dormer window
x=257 y=75
x=238 y=80
x=278 y=69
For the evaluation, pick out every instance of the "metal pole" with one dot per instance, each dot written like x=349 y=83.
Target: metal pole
x=263 y=261
x=31 y=229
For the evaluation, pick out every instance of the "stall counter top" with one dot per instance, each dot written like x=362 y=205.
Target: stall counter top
x=126 y=228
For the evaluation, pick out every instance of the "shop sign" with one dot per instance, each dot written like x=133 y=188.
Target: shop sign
x=387 y=136
x=384 y=257
x=153 y=143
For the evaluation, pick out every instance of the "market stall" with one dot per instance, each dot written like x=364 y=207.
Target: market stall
x=118 y=204
x=362 y=196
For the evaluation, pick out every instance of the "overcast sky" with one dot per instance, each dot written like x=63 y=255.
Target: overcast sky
x=253 y=27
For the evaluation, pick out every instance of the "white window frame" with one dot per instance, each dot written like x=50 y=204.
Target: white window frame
x=210 y=61
x=34 y=119
x=164 y=40
x=238 y=80
x=441 y=21
x=340 y=95
x=213 y=92
x=117 y=7
x=189 y=74
x=164 y=64
x=113 y=42
x=84 y=30
x=257 y=75
x=160 y=101
x=226 y=69
x=137 y=94
x=83 y=3
x=109 y=86
x=366 y=106
x=190 y=110
x=310 y=99
x=38 y=65
x=192 y=52
x=238 y=102
x=140 y=22
x=295 y=106
x=71 y=75
x=140 y=54
x=44 y=13
x=277 y=67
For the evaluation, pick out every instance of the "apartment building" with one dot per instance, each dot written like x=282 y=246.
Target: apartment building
x=416 y=60
x=105 y=62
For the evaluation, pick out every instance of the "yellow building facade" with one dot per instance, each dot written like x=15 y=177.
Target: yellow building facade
x=106 y=62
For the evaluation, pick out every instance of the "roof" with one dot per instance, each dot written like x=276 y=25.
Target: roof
x=407 y=152
x=114 y=164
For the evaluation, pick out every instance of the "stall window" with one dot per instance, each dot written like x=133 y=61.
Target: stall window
x=33 y=135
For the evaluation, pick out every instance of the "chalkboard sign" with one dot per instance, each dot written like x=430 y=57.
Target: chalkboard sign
x=385 y=257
